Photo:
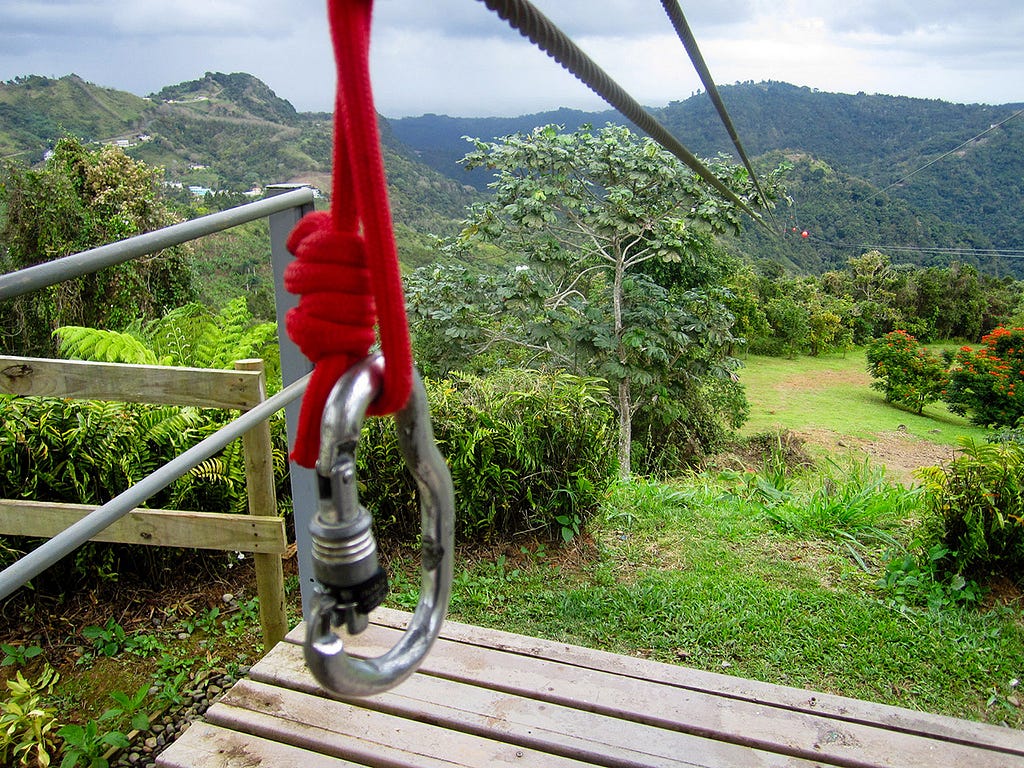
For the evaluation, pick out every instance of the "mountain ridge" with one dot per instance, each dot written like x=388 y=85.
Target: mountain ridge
x=232 y=132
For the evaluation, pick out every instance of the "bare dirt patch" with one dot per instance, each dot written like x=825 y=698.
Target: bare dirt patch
x=899 y=452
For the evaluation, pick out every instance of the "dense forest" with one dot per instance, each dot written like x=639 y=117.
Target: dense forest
x=846 y=150
x=868 y=172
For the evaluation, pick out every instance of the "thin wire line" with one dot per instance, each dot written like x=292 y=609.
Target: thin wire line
x=1013 y=253
x=524 y=17
x=682 y=28
x=954 y=149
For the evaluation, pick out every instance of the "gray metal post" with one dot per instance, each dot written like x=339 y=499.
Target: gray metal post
x=294 y=365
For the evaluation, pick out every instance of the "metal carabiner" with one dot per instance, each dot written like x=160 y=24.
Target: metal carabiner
x=345 y=552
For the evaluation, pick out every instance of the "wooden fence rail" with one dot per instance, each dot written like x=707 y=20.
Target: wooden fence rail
x=261 y=532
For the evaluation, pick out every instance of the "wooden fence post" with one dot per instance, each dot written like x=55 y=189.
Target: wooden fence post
x=259 y=478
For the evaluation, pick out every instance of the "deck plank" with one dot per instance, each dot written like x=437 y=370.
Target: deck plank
x=808 y=735
x=597 y=739
x=785 y=697
x=489 y=698
x=211 y=747
x=348 y=731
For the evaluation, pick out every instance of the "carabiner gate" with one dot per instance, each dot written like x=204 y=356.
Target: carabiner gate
x=345 y=562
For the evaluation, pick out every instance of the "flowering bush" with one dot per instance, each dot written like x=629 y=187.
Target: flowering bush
x=987 y=384
x=905 y=371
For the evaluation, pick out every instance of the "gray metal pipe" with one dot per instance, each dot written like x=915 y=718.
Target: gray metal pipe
x=77 y=264
x=38 y=560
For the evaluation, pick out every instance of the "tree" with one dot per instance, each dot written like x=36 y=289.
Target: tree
x=83 y=198
x=613 y=273
x=987 y=384
x=907 y=373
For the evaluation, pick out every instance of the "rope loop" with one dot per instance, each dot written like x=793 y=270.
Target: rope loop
x=333 y=323
x=346 y=270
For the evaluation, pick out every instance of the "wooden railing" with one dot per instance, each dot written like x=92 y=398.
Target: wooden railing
x=261 y=532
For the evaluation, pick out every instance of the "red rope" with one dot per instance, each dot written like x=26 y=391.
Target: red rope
x=346 y=268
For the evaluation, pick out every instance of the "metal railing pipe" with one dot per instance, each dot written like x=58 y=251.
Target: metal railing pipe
x=77 y=264
x=38 y=560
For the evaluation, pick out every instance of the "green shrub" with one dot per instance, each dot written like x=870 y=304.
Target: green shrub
x=987 y=384
x=87 y=452
x=977 y=506
x=672 y=435
x=524 y=449
x=905 y=371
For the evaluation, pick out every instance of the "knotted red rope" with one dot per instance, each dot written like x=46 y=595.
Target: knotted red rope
x=346 y=268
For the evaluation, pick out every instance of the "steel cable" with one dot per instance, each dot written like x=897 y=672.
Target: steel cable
x=675 y=15
x=525 y=18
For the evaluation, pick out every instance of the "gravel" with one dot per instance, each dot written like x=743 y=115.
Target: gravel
x=165 y=728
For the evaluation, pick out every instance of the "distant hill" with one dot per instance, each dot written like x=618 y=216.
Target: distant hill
x=34 y=111
x=847 y=150
x=227 y=132
x=232 y=132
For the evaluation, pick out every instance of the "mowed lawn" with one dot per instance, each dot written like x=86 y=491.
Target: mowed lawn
x=833 y=392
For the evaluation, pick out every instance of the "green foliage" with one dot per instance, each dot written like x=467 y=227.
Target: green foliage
x=18 y=655
x=86 y=744
x=907 y=373
x=84 y=198
x=918 y=578
x=191 y=335
x=129 y=707
x=524 y=449
x=108 y=640
x=27 y=725
x=987 y=384
x=977 y=509
x=89 y=451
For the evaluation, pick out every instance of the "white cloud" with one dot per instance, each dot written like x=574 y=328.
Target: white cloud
x=457 y=57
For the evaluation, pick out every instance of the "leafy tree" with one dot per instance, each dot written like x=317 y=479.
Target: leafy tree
x=987 y=384
x=790 y=322
x=83 y=198
x=906 y=372
x=613 y=272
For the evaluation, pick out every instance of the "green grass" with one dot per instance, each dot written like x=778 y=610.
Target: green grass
x=832 y=392
x=694 y=573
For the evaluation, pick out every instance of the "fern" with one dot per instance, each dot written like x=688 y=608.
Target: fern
x=79 y=343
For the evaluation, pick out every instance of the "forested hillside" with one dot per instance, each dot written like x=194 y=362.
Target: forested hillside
x=846 y=149
x=849 y=184
x=223 y=132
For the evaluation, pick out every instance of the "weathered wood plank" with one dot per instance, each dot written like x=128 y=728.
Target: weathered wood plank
x=208 y=746
x=785 y=697
x=808 y=734
x=158 y=384
x=595 y=738
x=159 y=528
x=342 y=730
x=262 y=497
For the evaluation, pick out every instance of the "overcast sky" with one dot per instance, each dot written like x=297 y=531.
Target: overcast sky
x=455 y=57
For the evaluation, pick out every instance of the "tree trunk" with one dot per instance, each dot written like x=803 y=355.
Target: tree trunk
x=625 y=409
x=625 y=430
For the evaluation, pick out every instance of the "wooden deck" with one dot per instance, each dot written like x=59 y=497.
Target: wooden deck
x=489 y=698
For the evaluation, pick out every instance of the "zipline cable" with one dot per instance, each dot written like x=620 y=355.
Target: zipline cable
x=930 y=163
x=675 y=15
x=524 y=17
